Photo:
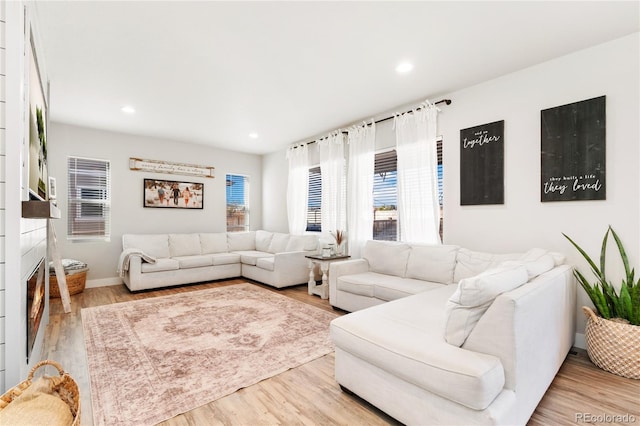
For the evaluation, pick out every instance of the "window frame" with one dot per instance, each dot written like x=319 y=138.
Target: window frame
x=246 y=210
x=81 y=208
x=375 y=209
x=314 y=195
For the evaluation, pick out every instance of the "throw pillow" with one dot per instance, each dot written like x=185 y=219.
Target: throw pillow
x=309 y=242
x=473 y=297
x=434 y=263
x=278 y=243
x=263 y=239
x=470 y=263
x=296 y=243
x=536 y=261
x=386 y=257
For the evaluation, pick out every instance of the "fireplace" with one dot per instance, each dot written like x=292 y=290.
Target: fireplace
x=35 y=303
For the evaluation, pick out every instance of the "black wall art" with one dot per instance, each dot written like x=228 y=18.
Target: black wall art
x=572 y=145
x=482 y=164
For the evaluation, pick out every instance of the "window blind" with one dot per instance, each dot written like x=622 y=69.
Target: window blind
x=385 y=196
x=89 y=199
x=314 y=205
x=237 y=203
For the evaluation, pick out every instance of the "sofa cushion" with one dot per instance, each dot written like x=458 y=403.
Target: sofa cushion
x=470 y=263
x=474 y=296
x=278 y=243
x=267 y=263
x=250 y=257
x=263 y=239
x=184 y=244
x=225 y=258
x=214 y=243
x=405 y=338
x=162 y=264
x=241 y=240
x=361 y=284
x=156 y=245
x=537 y=262
x=302 y=243
x=386 y=257
x=434 y=263
x=198 y=261
x=402 y=287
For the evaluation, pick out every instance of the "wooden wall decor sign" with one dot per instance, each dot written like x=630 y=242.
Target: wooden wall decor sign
x=482 y=164
x=157 y=166
x=573 y=151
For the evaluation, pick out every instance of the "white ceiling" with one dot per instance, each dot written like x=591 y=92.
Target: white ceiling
x=213 y=72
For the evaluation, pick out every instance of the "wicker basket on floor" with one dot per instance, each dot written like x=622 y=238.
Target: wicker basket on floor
x=76 y=281
x=613 y=345
x=69 y=392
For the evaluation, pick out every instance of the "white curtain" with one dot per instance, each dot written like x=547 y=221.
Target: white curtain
x=298 y=188
x=332 y=171
x=418 y=208
x=360 y=187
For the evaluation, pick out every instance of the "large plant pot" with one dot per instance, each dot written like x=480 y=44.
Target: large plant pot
x=613 y=345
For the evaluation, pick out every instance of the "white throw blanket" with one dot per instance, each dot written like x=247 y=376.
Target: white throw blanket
x=125 y=259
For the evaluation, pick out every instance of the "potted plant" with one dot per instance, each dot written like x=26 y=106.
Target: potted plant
x=612 y=336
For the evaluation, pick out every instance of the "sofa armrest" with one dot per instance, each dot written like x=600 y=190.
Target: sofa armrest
x=344 y=267
x=290 y=257
x=132 y=276
x=531 y=330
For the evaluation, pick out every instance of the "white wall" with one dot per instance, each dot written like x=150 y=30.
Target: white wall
x=274 y=192
x=127 y=213
x=23 y=241
x=523 y=222
x=3 y=150
x=609 y=69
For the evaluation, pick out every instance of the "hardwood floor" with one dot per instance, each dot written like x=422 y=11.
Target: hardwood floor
x=309 y=394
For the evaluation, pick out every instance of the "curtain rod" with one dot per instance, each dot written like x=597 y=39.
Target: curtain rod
x=442 y=101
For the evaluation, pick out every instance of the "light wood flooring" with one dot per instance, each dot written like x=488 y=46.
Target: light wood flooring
x=309 y=394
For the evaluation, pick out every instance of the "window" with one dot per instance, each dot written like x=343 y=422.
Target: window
x=314 y=209
x=385 y=196
x=237 y=203
x=89 y=199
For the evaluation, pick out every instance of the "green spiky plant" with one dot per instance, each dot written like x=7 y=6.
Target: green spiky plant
x=610 y=303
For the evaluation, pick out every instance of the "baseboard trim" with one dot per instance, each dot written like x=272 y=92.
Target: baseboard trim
x=580 y=342
x=103 y=282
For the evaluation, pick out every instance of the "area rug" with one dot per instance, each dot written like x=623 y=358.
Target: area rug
x=150 y=360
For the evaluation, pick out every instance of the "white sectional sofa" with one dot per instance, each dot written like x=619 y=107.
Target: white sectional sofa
x=391 y=270
x=481 y=351
x=161 y=260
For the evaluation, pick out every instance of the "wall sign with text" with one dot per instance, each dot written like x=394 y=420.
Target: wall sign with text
x=573 y=154
x=482 y=164
x=157 y=166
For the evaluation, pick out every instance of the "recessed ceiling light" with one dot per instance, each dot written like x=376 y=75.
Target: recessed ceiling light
x=128 y=109
x=404 y=67
x=253 y=135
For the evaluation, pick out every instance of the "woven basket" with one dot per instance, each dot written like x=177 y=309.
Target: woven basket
x=75 y=283
x=69 y=392
x=613 y=345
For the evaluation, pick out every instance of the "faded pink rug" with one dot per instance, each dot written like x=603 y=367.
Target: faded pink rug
x=152 y=359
